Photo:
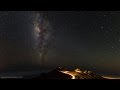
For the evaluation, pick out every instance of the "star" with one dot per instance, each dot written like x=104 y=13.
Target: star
x=112 y=13
x=112 y=47
x=5 y=52
x=19 y=32
x=111 y=29
x=104 y=15
x=101 y=27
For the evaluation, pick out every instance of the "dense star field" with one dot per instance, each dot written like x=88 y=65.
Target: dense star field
x=31 y=40
x=26 y=38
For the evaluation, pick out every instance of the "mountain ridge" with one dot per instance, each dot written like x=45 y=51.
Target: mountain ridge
x=64 y=73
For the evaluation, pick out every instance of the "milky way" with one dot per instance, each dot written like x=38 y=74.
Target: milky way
x=43 y=34
x=89 y=39
x=26 y=38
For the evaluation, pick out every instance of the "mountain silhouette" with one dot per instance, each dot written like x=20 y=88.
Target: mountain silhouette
x=63 y=73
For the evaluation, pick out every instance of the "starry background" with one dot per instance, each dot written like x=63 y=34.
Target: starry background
x=86 y=39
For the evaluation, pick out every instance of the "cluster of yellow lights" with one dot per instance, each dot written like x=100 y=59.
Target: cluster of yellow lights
x=68 y=72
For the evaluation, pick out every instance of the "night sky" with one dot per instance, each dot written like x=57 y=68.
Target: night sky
x=37 y=39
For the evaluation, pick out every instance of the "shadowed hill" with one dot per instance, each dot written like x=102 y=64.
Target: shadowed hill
x=58 y=73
